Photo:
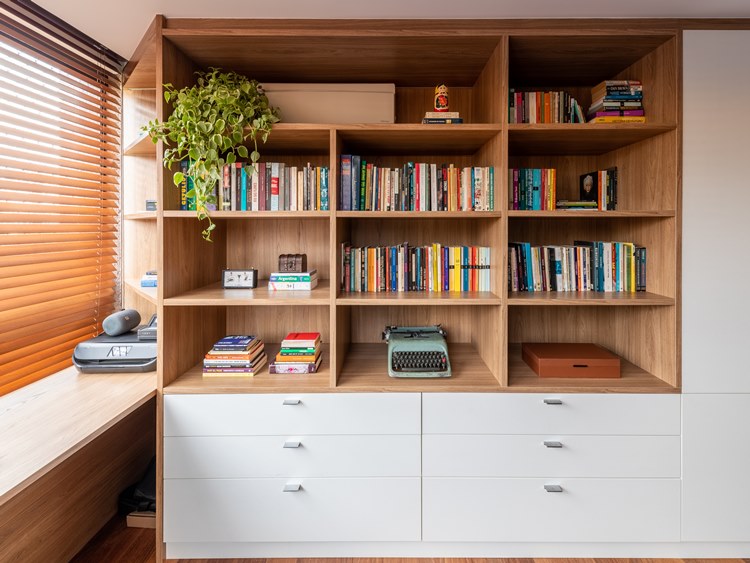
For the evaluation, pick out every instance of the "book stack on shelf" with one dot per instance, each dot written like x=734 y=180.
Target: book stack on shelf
x=442 y=117
x=434 y=268
x=416 y=186
x=597 y=191
x=149 y=279
x=293 y=281
x=617 y=101
x=543 y=107
x=235 y=355
x=584 y=266
x=269 y=186
x=300 y=353
x=533 y=188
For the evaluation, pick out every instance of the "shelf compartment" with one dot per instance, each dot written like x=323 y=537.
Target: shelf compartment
x=365 y=368
x=588 y=214
x=579 y=138
x=633 y=379
x=419 y=298
x=419 y=214
x=214 y=294
x=413 y=139
x=147 y=293
x=193 y=381
x=251 y=214
x=588 y=298
x=297 y=138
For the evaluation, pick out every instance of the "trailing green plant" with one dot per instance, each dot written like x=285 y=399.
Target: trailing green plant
x=211 y=125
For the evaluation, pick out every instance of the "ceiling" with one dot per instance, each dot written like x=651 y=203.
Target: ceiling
x=119 y=24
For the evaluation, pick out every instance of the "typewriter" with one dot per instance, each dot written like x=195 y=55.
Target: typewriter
x=417 y=351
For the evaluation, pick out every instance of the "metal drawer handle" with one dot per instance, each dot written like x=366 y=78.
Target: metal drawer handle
x=553 y=401
x=553 y=488
x=292 y=444
x=291 y=402
x=292 y=487
x=548 y=443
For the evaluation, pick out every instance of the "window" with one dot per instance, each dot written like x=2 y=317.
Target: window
x=60 y=97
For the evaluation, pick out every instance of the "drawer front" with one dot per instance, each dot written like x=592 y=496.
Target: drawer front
x=246 y=414
x=239 y=457
x=521 y=510
x=258 y=510
x=545 y=455
x=527 y=413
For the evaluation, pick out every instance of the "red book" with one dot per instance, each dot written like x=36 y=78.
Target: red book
x=301 y=340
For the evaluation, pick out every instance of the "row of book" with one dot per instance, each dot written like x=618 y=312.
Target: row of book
x=532 y=188
x=431 y=268
x=617 y=101
x=582 y=266
x=415 y=186
x=543 y=107
x=267 y=186
x=243 y=355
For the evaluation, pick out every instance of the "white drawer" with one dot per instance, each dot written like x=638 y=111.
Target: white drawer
x=237 y=457
x=527 y=413
x=258 y=510
x=521 y=510
x=445 y=455
x=258 y=415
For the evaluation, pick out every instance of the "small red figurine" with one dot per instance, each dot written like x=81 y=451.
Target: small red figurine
x=441 y=98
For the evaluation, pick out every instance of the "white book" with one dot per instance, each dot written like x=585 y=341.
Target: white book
x=478 y=188
x=433 y=187
x=300 y=190
x=293 y=188
x=254 y=189
x=607 y=266
x=387 y=184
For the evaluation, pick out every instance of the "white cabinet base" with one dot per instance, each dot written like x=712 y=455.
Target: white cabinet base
x=438 y=549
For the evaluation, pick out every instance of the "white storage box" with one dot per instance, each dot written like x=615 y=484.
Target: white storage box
x=333 y=103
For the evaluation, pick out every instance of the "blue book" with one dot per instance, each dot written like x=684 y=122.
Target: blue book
x=464 y=268
x=618 y=249
x=394 y=268
x=529 y=267
x=235 y=342
x=492 y=188
x=243 y=192
x=536 y=187
x=446 y=268
x=324 y=188
x=354 y=194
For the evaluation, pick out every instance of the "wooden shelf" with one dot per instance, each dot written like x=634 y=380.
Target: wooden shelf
x=589 y=214
x=588 y=298
x=140 y=216
x=252 y=214
x=420 y=214
x=297 y=138
x=142 y=146
x=215 y=295
x=579 y=138
x=522 y=379
x=148 y=293
x=365 y=369
x=419 y=298
x=411 y=139
x=264 y=382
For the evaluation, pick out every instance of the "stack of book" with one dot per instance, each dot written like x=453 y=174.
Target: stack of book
x=300 y=353
x=532 y=188
x=582 y=266
x=617 y=101
x=293 y=281
x=438 y=117
x=415 y=186
x=236 y=355
x=149 y=279
x=543 y=107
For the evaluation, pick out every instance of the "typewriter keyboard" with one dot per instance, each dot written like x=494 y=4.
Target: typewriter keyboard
x=419 y=361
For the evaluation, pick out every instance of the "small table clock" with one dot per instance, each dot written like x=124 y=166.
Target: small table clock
x=239 y=279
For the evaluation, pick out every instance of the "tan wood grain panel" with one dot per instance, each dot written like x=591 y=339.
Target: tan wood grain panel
x=366 y=369
x=52 y=518
x=140 y=242
x=490 y=91
x=588 y=298
x=411 y=103
x=588 y=214
x=192 y=381
x=419 y=298
x=140 y=71
x=417 y=139
x=215 y=295
x=138 y=182
x=272 y=325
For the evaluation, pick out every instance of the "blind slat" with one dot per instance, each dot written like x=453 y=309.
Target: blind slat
x=7 y=282
x=36 y=287
x=8 y=195
x=12 y=227
x=52 y=161
x=36 y=374
x=64 y=336
x=34 y=249
x=52 y=190
x=48 y=294
x=40 y=144
x=50 y=268
x=40 y=308
x=60 y=315
x=28 y=334
x=10 y=174
x=21 y=259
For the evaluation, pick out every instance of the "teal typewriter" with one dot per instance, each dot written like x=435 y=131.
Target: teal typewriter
x=417 y=351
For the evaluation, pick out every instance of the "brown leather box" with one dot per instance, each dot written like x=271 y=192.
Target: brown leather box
x=570 y=360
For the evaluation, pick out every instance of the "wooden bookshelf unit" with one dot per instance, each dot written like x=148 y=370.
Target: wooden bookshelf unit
x=480 y=61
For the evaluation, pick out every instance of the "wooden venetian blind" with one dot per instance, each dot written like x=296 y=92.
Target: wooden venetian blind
x=60 y=100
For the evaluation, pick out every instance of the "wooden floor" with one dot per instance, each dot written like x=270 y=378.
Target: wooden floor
x=116 y=543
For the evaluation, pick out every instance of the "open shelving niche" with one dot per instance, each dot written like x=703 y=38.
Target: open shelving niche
x=484 y=329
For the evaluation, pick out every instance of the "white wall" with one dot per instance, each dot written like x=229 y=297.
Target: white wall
x=716 y=212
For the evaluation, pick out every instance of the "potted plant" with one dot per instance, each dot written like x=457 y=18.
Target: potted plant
x=210 y=126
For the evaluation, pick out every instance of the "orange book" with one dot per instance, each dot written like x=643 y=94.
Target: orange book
x=371 y=267
x=309 y=359
x=547 y=108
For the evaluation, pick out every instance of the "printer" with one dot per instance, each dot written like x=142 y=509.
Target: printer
x=133 y=351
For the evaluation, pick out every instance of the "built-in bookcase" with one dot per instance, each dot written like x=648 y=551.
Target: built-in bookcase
x=480 y=62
